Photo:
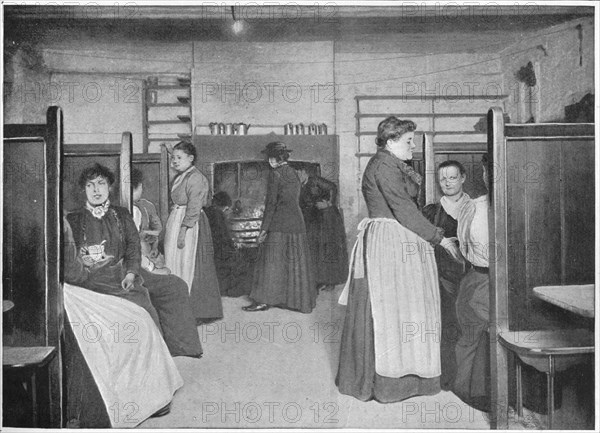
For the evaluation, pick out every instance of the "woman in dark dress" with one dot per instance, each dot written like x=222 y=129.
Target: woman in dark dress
x=283 y=273
x=108 y=243
x=390 y=348
x=326 y=232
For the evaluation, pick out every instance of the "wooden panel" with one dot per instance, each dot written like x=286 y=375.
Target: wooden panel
x=579 y=211
x=498 y=268
x=550 y=130
x=24 y=255
x=514 y=253
x=32 y=249
x=540 y=172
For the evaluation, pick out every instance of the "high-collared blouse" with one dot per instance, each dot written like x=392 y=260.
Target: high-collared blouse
x=390 y=191
x=191 y=190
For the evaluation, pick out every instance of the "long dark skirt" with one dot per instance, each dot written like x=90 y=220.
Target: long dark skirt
x=356 y=374
x=327 y=239
x=205 y=295
x=169 y=296
x=283 y=273
x=472 y=383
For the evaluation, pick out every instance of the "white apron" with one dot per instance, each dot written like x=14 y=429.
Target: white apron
x=404 y=291
x=181 y=262
x=126 y=354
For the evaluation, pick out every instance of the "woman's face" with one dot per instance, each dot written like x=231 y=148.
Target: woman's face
x=451 y=181
x=137 y=193
x=273 y=162
x=96 y=191
x=403 y=146
x=181 y=161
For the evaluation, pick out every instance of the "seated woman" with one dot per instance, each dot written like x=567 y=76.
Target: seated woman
x=149 y=226
x=109 y=246
x=123 y=372
x=444 y=214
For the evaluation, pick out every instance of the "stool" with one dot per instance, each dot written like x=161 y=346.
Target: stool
x=28 y=359
x=548 y=352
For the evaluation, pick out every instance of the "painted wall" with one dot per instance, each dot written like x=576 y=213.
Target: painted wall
x=264 y=84
x=561 y=79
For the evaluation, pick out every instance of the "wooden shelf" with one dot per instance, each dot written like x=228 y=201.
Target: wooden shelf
x=178 y=104
x=169 y=87
x=168 y=122
x=169 y=104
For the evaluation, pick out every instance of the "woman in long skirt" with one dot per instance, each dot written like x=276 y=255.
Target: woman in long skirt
x=390 y=347
x=188 y=240
x=283 y=273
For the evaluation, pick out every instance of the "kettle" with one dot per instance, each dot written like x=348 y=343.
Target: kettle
x=312 y=129
x=322 y=129
x=228 y=128
x=300 y=129
x=221 y=128
x=214 y=128
x=241 y=128
x=288 y=129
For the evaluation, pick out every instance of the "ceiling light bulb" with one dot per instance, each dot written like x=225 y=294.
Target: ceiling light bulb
x=238 y=26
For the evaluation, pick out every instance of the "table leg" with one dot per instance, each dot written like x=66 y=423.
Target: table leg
x=34 y=398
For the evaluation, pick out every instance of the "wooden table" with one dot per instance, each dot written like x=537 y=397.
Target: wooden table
x=578 y=299
x=27 y=360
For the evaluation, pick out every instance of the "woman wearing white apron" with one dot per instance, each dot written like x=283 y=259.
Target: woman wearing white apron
x=188 y=241
x=390 y=348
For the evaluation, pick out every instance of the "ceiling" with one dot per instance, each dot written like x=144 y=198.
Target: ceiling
x=277 y=23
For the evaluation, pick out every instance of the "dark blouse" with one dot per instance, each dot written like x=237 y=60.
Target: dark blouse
x=448 y=268
x=282 y=209
x=121 y=235
x=390 y=192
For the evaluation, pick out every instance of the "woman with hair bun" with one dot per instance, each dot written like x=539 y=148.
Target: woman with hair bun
x=283 y=274
x=390 y=348
x=188 y=240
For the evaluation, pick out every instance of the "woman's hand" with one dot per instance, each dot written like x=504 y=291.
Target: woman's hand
x=449 y=244
x=323 y=204
x=181 y=237
x=127 y=282
x=261 y=237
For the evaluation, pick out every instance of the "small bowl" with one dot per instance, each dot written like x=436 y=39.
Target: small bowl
x=184 y=118
x=183 y=99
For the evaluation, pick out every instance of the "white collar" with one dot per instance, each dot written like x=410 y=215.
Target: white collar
x=452 y=207
x=98 y=211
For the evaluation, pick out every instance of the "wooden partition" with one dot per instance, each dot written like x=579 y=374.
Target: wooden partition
x=117 y=157
x=31 y=248
x=542 y=212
